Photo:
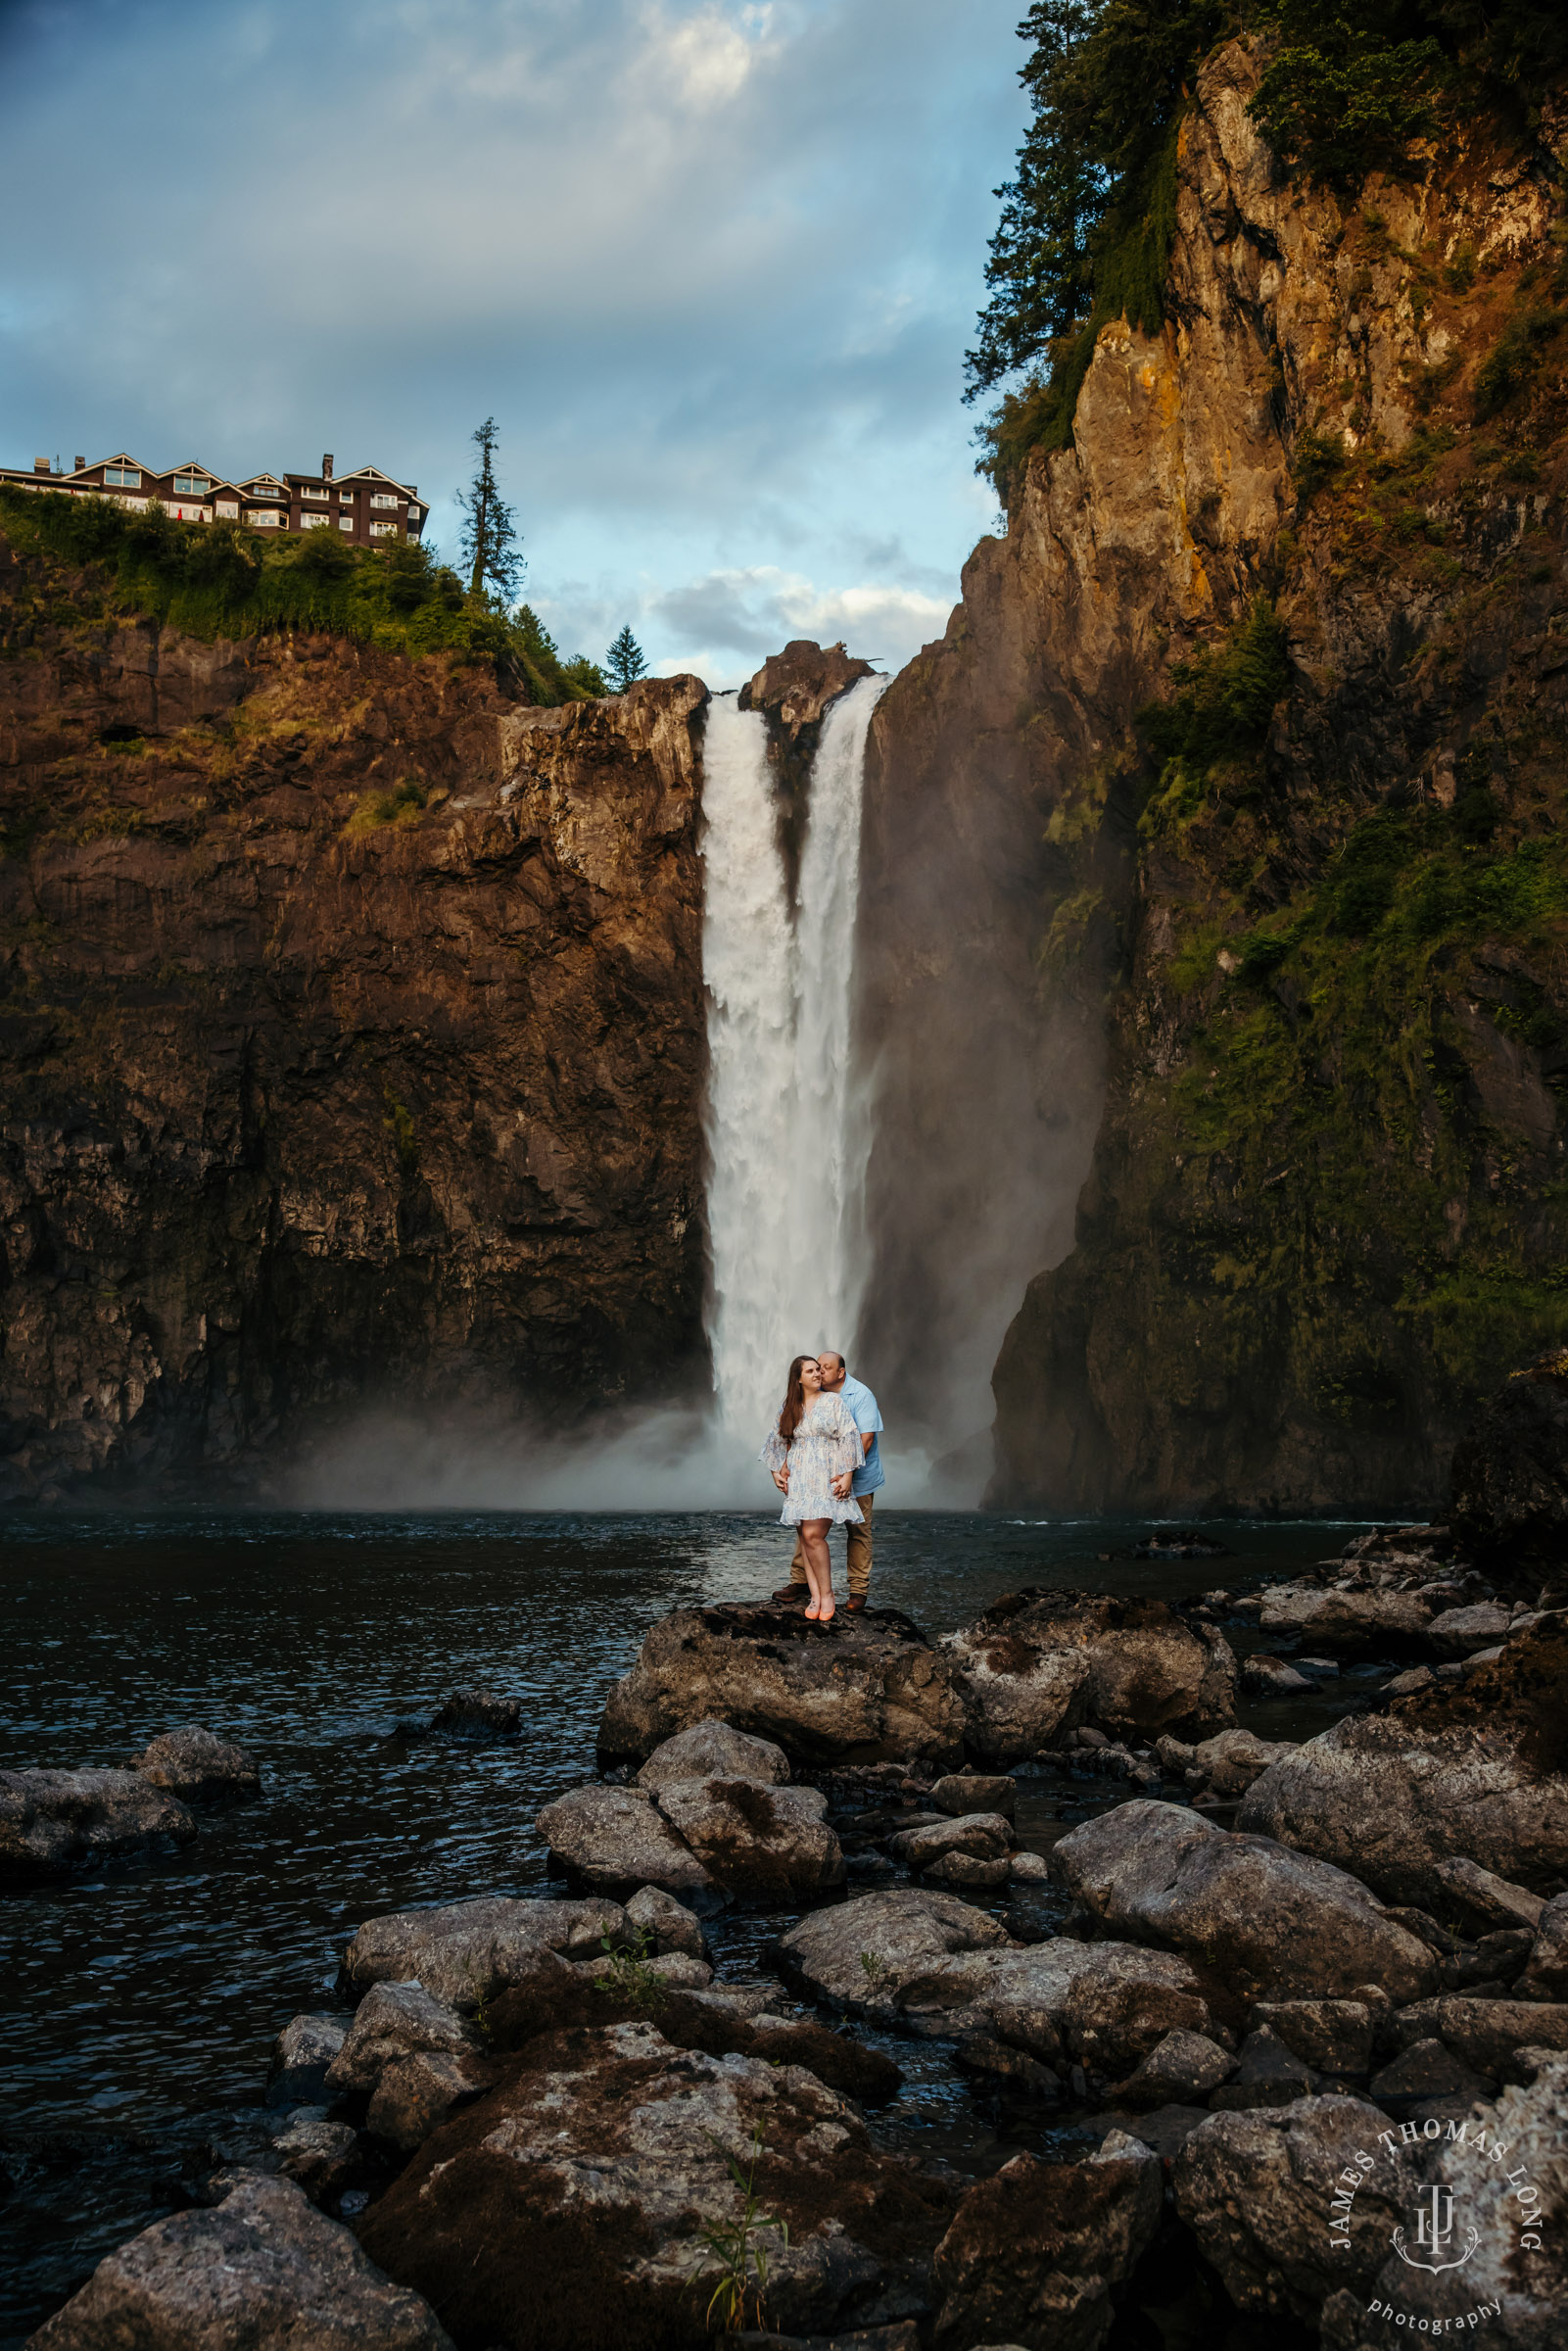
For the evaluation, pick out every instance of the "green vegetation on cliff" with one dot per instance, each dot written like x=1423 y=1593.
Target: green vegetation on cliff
x=221 y=581
x=1088 y=220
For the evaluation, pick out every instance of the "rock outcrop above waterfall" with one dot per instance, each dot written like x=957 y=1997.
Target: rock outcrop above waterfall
x=1323 y=1215
x=351 y=1037
x=793 y=691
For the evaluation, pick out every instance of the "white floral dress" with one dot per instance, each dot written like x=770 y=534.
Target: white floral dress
x=825 y=1444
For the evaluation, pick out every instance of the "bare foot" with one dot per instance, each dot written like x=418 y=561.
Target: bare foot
x=827 y=1611
x=814 y=1611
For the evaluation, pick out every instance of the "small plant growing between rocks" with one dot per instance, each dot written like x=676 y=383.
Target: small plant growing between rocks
x=738 y=2251
x=629 y=1976
x=873 y=1969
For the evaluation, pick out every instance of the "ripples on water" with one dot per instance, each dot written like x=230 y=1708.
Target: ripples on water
x=141 y=2000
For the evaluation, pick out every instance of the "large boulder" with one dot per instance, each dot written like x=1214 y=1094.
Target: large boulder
x=1266 y=1922
x=302 y=2055
x=263 y=2270
x=1349 y=1624
x=1510 y=1472
x=1039 y=1663
x=579 y=2199
x=617 y=1838
x=57 y=1820
x=198 y=1768
x=1258 y=2191
x=466 y=1953
x=859 y=1954
x=715 y=1750
x=1506 y=2170
x=1477 y=1768
x=1104 y=2007
x=392 y=2022
x=766 y=1845
x=870 y=1688
x=1033 y=2251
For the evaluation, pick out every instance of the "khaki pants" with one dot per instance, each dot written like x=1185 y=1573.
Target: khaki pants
x=860 y=1538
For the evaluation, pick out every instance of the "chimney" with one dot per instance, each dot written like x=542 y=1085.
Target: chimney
x=79 y=465
x=326 y=467
x=40 y=464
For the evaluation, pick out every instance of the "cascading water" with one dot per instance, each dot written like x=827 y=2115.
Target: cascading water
x=786 y=1123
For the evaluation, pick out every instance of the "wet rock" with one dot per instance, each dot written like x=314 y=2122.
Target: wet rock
x=57 y=1820
x=974 y=1870
x=1040 y=1664
x=678 y=1969
x=870 y=1688
x=1518 y=2258
x=1477 y=1768
x=1482 y=1894
x=985 y=1835
x=970 y=1791
x=465 y=1952
x=614 y=1839
x=263 y=2270
x=300 y=2055
x=1035 y=2252
x=668 y=1924
x=477 y=1715
x=416 y=2094
x=1255 y=2189
x=1333 y=2036
x=714 y=1751
x=1349 y=1624
x=1179 y=2071
x=1426 y=2073
x=860 y=1953
x=1264 y=1676
x=319 y=2155
x=198 y=1768
x=1510 y=1472
x=392 y=2022
x=1029 y=1869
x=1267 y=1921
x=1460 y=1632
x=1102 y=2006
x=1228 y=1763
x=1484 y=2033
x=1267 y=2074
x=766 y=1845
x=1405 y=1685
x=1545 y=1976
x=581 y=2188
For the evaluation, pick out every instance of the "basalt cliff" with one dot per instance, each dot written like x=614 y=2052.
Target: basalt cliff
x=1245 y=749
x=352 y=1039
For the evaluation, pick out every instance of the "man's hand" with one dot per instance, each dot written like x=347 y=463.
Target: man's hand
x=781 y=1478
x=842 y=1485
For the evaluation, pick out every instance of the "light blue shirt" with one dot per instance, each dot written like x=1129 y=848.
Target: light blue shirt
x=868 y=1419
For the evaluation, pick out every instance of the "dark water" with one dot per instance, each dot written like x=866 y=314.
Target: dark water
x=141 y=2001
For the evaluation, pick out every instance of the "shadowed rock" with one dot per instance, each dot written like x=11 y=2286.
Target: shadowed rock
x=1267 y=1921
x=1510 y=1470
x=465 y=1952
x=198 y=1768
x=1040 y=1664
x=1033 y=2252
x=860 y=1953
x=57 y=1820
x=714 y=1751
x=615 y=1838
x=869 y=1688
x=1349 y=1624
x=300 y=2055
x=263 y=2270
x=477 y=1715
x=395 y=2021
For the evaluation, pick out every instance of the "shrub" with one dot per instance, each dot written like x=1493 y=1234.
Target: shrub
x=1223 y=698
x=1315 y=460
x=1514 y=360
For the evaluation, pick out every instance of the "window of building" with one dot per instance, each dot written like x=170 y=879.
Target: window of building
x=345 y=498
x=309 y=490
x=381 y=498
x=383 y=530
x=415 y=513
x=314 y=522
x=228 y=508
x=266 y=519
x=191 y=485
x=345 y=522
x=128 y=478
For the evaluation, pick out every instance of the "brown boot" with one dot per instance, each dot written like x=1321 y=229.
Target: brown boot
x=855 y=1603
x=793 y=1592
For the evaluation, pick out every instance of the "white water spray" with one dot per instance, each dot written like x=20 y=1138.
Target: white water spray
x=788 y=1129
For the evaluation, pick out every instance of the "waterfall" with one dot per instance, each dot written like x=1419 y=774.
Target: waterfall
x=786 y=1125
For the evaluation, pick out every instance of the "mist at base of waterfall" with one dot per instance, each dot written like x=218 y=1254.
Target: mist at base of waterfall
x=650 y=1457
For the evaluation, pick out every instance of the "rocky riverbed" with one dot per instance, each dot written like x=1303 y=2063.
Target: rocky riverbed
x=1197 y=1976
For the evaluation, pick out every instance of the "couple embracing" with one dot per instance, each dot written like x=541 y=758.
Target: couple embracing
x=826 y=1463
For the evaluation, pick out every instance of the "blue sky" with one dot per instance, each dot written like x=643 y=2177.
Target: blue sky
x=712 y=266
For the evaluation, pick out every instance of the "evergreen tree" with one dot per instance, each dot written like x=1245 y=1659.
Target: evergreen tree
x=490 y=551
x=624 y=661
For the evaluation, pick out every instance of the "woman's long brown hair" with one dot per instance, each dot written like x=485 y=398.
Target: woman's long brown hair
x=794 y=1403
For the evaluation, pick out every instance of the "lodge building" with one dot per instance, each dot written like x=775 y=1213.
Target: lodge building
x=364 y=505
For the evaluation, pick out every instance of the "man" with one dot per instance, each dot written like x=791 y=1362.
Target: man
x=836 y=1381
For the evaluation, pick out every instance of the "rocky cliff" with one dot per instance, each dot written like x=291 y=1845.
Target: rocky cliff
x=1320 y=885
x=350 y=1019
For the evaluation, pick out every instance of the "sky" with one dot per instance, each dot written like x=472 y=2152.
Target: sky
x=712 y=267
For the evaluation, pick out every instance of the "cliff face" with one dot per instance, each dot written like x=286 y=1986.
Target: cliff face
x=352 y=1032
x=1326 y=1204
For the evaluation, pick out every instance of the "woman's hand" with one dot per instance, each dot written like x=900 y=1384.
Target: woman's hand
x=842 y=1483
x=781 y=1478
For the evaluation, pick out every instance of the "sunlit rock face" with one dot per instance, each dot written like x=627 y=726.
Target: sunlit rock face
x=353 y=1038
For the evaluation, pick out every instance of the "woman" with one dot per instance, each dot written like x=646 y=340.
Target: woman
x=814 y=1451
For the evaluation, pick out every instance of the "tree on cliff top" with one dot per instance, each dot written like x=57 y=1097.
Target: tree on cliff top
x=624 y=661
x=490 y=551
